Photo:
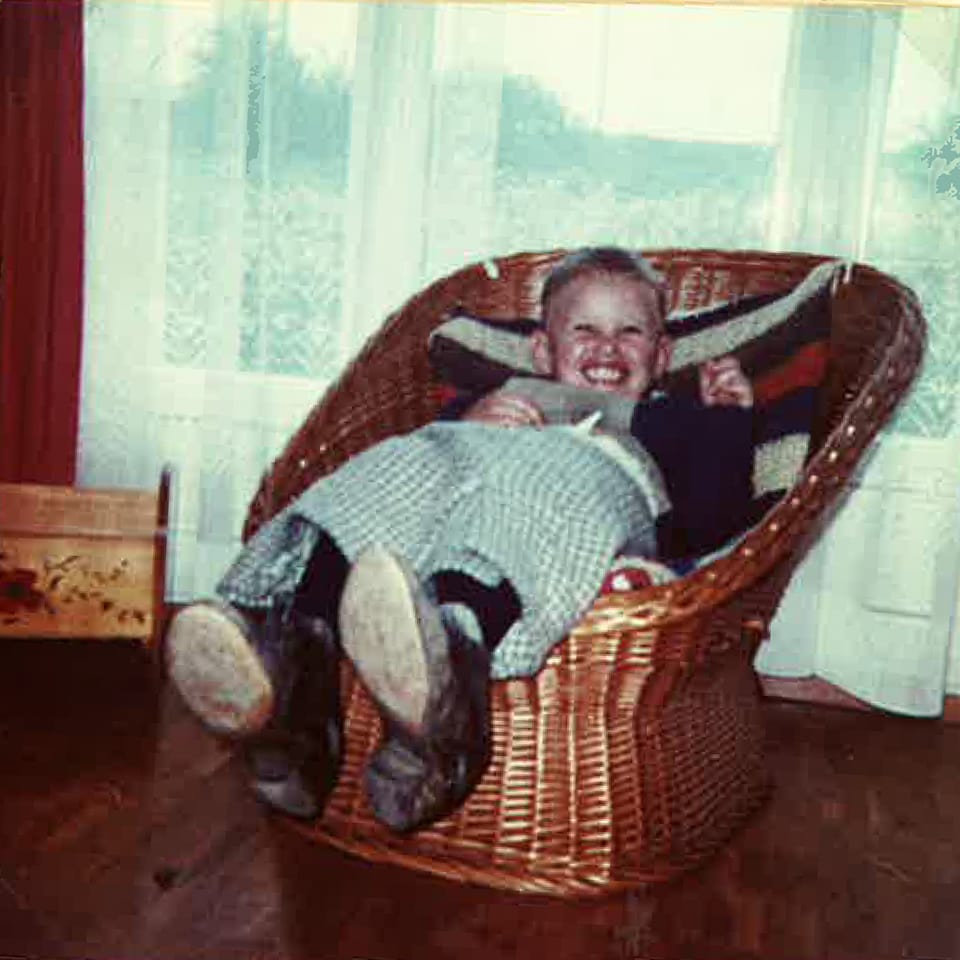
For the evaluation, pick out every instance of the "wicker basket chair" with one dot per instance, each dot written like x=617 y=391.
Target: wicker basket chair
x=638 y=749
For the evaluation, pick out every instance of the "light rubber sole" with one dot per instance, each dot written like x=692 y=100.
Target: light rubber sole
x=215 y=669
x=384 y=634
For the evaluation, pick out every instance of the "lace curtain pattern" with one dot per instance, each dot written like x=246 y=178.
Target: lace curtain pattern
x=267 y=181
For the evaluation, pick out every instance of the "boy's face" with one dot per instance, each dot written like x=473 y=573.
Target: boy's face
x=603 y=332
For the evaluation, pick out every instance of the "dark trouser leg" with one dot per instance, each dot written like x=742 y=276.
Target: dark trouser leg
x=321 y=586
x=430 y=680
x=495 y=608
x=295 y=760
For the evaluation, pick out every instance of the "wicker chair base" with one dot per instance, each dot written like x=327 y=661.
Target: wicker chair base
x=579 y=802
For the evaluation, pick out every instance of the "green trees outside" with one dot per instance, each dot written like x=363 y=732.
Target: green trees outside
x=944 y=163
x=305 y=118
x=557 y=179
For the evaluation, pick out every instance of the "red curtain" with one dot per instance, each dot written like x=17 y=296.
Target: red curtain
x=41 y=238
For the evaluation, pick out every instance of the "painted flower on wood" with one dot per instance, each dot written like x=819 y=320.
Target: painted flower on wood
x=63 y=582
x=18 y=591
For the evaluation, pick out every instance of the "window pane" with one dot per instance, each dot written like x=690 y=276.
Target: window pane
x=914 y=230
x=644 y=125
x=260 y=129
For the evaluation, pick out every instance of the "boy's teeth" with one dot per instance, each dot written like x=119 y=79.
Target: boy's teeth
x=603 y=374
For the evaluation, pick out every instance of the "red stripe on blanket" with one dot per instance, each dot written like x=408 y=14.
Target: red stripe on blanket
x=806 y=368
x=447 y=393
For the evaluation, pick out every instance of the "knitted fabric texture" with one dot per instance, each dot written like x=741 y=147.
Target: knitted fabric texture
x=544 y=508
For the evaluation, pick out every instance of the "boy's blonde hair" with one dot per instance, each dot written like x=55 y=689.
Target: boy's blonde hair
x=612 y=261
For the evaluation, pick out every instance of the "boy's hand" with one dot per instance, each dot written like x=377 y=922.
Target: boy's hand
x=505 y=410
x=724 y=384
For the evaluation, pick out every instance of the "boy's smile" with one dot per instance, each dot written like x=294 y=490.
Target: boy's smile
x=603 y=332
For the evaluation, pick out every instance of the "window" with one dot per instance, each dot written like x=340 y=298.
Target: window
x=646 y=125
x=915 y=231
x=259 y=142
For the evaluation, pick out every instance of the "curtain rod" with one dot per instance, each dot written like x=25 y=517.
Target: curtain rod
x=890 y=4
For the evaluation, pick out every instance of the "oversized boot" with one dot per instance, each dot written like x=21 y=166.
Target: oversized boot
x=430 y=682
x=271 y=681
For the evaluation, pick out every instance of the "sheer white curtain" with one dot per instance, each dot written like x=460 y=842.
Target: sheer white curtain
x=872 y=607
x=268 y=180
x=215 y=240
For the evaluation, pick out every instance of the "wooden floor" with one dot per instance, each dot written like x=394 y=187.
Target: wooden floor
x=126 y=832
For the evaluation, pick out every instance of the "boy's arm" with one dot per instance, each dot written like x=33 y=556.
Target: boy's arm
x=560 y=403
x=506 y=409
x=499 y=408
x=724 y=384
x=705 y=454
x=537 y=401
x=454 y=408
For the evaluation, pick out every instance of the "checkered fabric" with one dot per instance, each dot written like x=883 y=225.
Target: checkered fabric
x=548 y=509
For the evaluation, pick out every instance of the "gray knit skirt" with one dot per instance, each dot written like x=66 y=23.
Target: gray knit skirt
x=543 y=508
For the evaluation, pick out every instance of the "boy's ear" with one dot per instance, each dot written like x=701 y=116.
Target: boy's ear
x=542 y=354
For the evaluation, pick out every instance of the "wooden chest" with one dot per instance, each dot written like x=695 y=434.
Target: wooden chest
x=82 y=563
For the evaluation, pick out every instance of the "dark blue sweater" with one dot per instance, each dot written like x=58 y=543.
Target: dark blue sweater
x=706 y=457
